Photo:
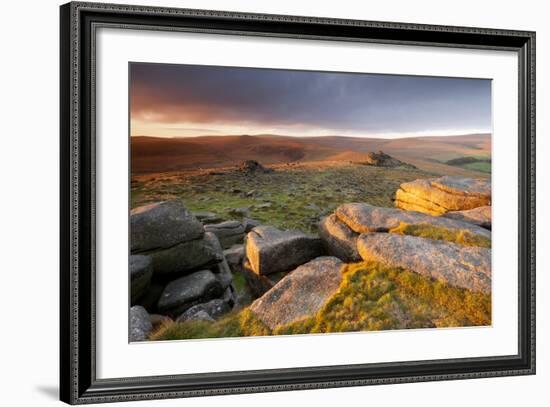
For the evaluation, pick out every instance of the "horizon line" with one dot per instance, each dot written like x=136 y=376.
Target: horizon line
x=482 y=133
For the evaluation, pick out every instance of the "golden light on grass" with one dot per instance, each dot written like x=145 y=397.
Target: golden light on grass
x=372 y=297
x=463 y=237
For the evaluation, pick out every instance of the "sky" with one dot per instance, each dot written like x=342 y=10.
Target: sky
x=169 y=100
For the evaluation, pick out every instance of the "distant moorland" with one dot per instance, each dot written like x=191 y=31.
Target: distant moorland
x=467 y=155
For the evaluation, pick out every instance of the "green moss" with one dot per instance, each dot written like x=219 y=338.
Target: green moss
x=463 y=237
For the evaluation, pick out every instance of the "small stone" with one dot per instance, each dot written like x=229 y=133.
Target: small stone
x=181 y=294
x=229 y=232
x=263 y=205
x=312 y=207
x=250 y=224
x=243 y=211
x=213 y=309
x=207 y=217
x=140 y=325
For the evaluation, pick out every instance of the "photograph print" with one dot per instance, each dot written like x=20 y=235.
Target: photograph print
x=278 y=202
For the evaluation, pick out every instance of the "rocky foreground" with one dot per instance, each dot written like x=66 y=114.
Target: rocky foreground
x=195 y=267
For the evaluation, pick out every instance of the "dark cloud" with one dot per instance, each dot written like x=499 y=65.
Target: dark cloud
x=341 y=101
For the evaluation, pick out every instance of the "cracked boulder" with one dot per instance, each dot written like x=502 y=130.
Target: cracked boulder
x=365 y=218
x=440 y=195
x=454 y=264
x=270 y=250
x=162 y=225
x=339 y=240
x=173 y=238
x=229 y=232
x=186 y=257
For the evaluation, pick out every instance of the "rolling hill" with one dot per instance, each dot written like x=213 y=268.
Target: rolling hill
x=155 y=154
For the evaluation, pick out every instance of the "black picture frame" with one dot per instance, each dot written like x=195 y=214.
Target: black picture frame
x=78 y=382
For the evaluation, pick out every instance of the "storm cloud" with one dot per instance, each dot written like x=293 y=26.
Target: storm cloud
x=216 y=98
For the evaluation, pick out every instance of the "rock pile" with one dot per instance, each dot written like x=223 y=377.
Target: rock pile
x=381 y=159
x=173 y=238
x=177 y=265
x=359 y=231
x=252 y=166
x=341 y=229
x=438 y=196
x=183 y=270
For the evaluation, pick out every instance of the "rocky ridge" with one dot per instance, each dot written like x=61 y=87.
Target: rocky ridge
x=438 y=196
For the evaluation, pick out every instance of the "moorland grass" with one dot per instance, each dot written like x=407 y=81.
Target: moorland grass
x=298 y=197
